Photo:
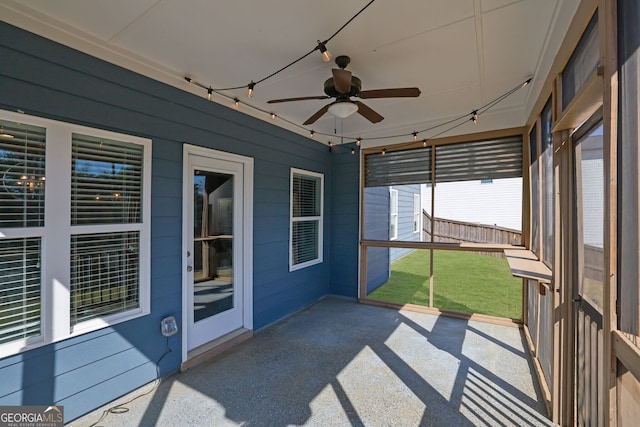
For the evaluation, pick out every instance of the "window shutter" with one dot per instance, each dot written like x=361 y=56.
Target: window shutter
x=398 y=168
x=106 y=181
x=20 y=288
x=22 y=175
x=493 y=159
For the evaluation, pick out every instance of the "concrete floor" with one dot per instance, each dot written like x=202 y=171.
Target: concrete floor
x=339 y=363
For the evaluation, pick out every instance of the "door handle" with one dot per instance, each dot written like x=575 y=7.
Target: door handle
x=189 y=268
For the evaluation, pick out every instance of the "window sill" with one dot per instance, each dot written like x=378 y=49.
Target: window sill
x=525 y=264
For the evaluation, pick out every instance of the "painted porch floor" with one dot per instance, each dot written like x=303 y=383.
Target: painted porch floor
x=339 y=363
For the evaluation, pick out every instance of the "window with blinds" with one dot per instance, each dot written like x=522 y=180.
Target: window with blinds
x=393 y=214
x=106 y=181
x=104 y=274
x=306 y=219
x=84 y=262
x=22 y=175
x=20 y=288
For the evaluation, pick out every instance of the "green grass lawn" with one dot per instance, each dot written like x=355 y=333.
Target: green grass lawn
x=463 y=281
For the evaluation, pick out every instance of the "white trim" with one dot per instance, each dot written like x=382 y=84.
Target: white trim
x=417 y=213
x=247 y=219
x=293 y=219
x=56 y=235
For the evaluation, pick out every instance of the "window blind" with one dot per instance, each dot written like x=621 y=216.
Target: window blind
x=106 y=181
x=104 y=274
x=398 y=168
x=20 y=288
x=492 y=159
x=306 y=196
x=22 y=175
x=304 y=241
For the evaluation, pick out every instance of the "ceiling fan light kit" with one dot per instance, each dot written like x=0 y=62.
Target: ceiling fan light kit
x=342 y=86
x=343 y=109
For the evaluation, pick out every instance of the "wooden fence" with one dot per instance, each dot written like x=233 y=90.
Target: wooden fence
x=446 y=230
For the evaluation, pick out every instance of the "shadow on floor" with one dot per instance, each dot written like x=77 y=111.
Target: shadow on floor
x=343 y=363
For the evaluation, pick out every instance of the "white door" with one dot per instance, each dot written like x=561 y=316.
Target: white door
x=214 y=246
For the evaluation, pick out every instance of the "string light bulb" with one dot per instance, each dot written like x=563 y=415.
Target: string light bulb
x=358 y=142
x=474 y=117
x=415 y=136
x=384 y=151
x=273 y=116
x=311 y=134
x=236 y=103
x=250 y=87
x=326 y=55
x=424 y=142
x=353 y=151
x=526 y=82
x=330 y=145
x=209 y=93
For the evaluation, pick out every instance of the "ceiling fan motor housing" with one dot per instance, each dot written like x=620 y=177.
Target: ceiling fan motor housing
x=330 y=88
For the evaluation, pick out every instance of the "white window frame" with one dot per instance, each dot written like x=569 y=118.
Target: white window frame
x=319 y=219
x=55 y=315
x=393 y=213
x=417 y=213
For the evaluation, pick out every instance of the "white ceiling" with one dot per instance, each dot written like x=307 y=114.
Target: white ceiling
x=462 y=54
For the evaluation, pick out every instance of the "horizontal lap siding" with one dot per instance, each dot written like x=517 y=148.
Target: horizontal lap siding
x=49 y=80
x=405 y=218
x=376 y=227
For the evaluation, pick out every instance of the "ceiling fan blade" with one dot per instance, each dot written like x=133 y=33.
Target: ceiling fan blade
x=301 y=98
x=368 y=113
x=400 y=92
x=317 y=115
x=341 y=80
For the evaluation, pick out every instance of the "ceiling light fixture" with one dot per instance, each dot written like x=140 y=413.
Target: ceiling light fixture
x=322 y=47
x=343 y=109
x=250 y=87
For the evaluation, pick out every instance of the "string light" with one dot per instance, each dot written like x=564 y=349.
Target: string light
x=209 y=93
x=353 y=151
x=424 y=142
x=326 y=55
x=474 y=117
x=273 y=116
x=458 y=120
x=384 y=151
x=250 y=87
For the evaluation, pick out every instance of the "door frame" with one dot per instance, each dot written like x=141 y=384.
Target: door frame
x=247 y=235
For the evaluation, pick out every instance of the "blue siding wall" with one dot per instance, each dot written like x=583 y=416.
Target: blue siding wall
x=345 y=173
x=376 y=227
x=405 y=219
x=49 y=80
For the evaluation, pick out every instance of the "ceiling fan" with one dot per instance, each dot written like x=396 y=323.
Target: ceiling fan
x=342 y=86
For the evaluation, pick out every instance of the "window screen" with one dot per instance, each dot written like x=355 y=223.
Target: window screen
x=106 y=181
x=582 y=64
x=22 y=175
